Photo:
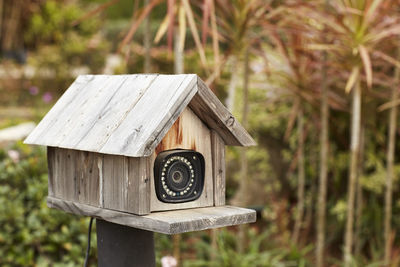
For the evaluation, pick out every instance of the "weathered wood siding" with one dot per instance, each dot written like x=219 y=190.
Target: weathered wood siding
x=218 y=159
x=188 y=132
x=106 y=181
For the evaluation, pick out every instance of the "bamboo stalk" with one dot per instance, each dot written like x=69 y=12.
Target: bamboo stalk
x=323 y=170
x=147 y=41
x=359 y=199
x=390 y=170
x=244 y=179
x=301 y=177
x=230 y=100
x=354 y=150
x=179 y=63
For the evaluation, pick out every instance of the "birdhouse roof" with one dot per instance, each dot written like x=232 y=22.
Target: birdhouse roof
x=130 y=114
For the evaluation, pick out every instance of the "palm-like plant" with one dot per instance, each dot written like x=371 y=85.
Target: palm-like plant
x=357 y=30
x=238 y=23
x=183 y=11
x=295 y=70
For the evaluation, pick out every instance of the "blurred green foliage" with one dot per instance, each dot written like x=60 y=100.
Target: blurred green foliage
x=32 y=234
x=63 y=42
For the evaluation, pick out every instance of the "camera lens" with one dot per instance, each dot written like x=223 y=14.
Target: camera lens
x=178 y=176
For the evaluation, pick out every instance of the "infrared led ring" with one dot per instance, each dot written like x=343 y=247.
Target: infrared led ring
x=179 y=175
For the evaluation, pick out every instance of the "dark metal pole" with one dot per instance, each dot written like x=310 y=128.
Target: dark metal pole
x=122 y=246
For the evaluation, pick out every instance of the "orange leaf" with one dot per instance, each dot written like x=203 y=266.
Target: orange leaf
x=352 y=79
x=367 y=64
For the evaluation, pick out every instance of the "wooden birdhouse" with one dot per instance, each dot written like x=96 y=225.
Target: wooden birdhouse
x=126 y=145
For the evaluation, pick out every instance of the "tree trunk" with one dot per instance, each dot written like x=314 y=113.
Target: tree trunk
x=10 y=32
x=354 y=153
x=147 y=41
x=230 y=100
x=310 y=200
x=1 y=19
x=214 y=244
x=301 y=177
x=244 y=179
x=390 y=171
x=178 y=55
x=323 y=170
x=359 y=200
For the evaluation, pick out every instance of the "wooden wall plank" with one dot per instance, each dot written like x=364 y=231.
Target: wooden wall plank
x=50 y=166
x=188 y=132
x=126 y=184
x=108 y=181
x=138 y=198
x=218 y=158
x=87 y=173
x=63 y=175
x=116 y=179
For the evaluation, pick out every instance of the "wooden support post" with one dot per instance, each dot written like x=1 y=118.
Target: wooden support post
x=123 y=246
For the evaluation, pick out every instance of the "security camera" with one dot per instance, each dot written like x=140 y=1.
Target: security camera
x=179 y=175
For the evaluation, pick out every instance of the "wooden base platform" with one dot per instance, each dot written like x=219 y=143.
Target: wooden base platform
x=166 y=222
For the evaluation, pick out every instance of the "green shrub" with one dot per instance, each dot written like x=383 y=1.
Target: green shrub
x=32 y=234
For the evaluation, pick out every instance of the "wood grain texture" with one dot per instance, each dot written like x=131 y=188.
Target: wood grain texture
x=209 y=109
x=56 y=130
x=150 y=119
x=126 y=184
x=114 y=113
x=62 y=176
x=218 y=161
x=168 y=222
x=87 y=173
x=76 y=88
x=138 y=198
x=188 y=132
x=116 y=180
x=50 y=167
x=130 y=114
x=108 y=181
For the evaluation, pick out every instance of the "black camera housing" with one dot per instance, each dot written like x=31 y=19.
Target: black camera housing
x=179 y=175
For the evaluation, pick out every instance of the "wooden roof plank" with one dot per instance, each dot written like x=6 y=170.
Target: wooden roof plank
x=207 y=106
x=130 y=114
x=75 y=88
x=115 y=113
x=86 y=116
x=57 y=129
x=146 y=118
x=175 y=107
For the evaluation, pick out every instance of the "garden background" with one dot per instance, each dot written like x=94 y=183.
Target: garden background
x=316 y=83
